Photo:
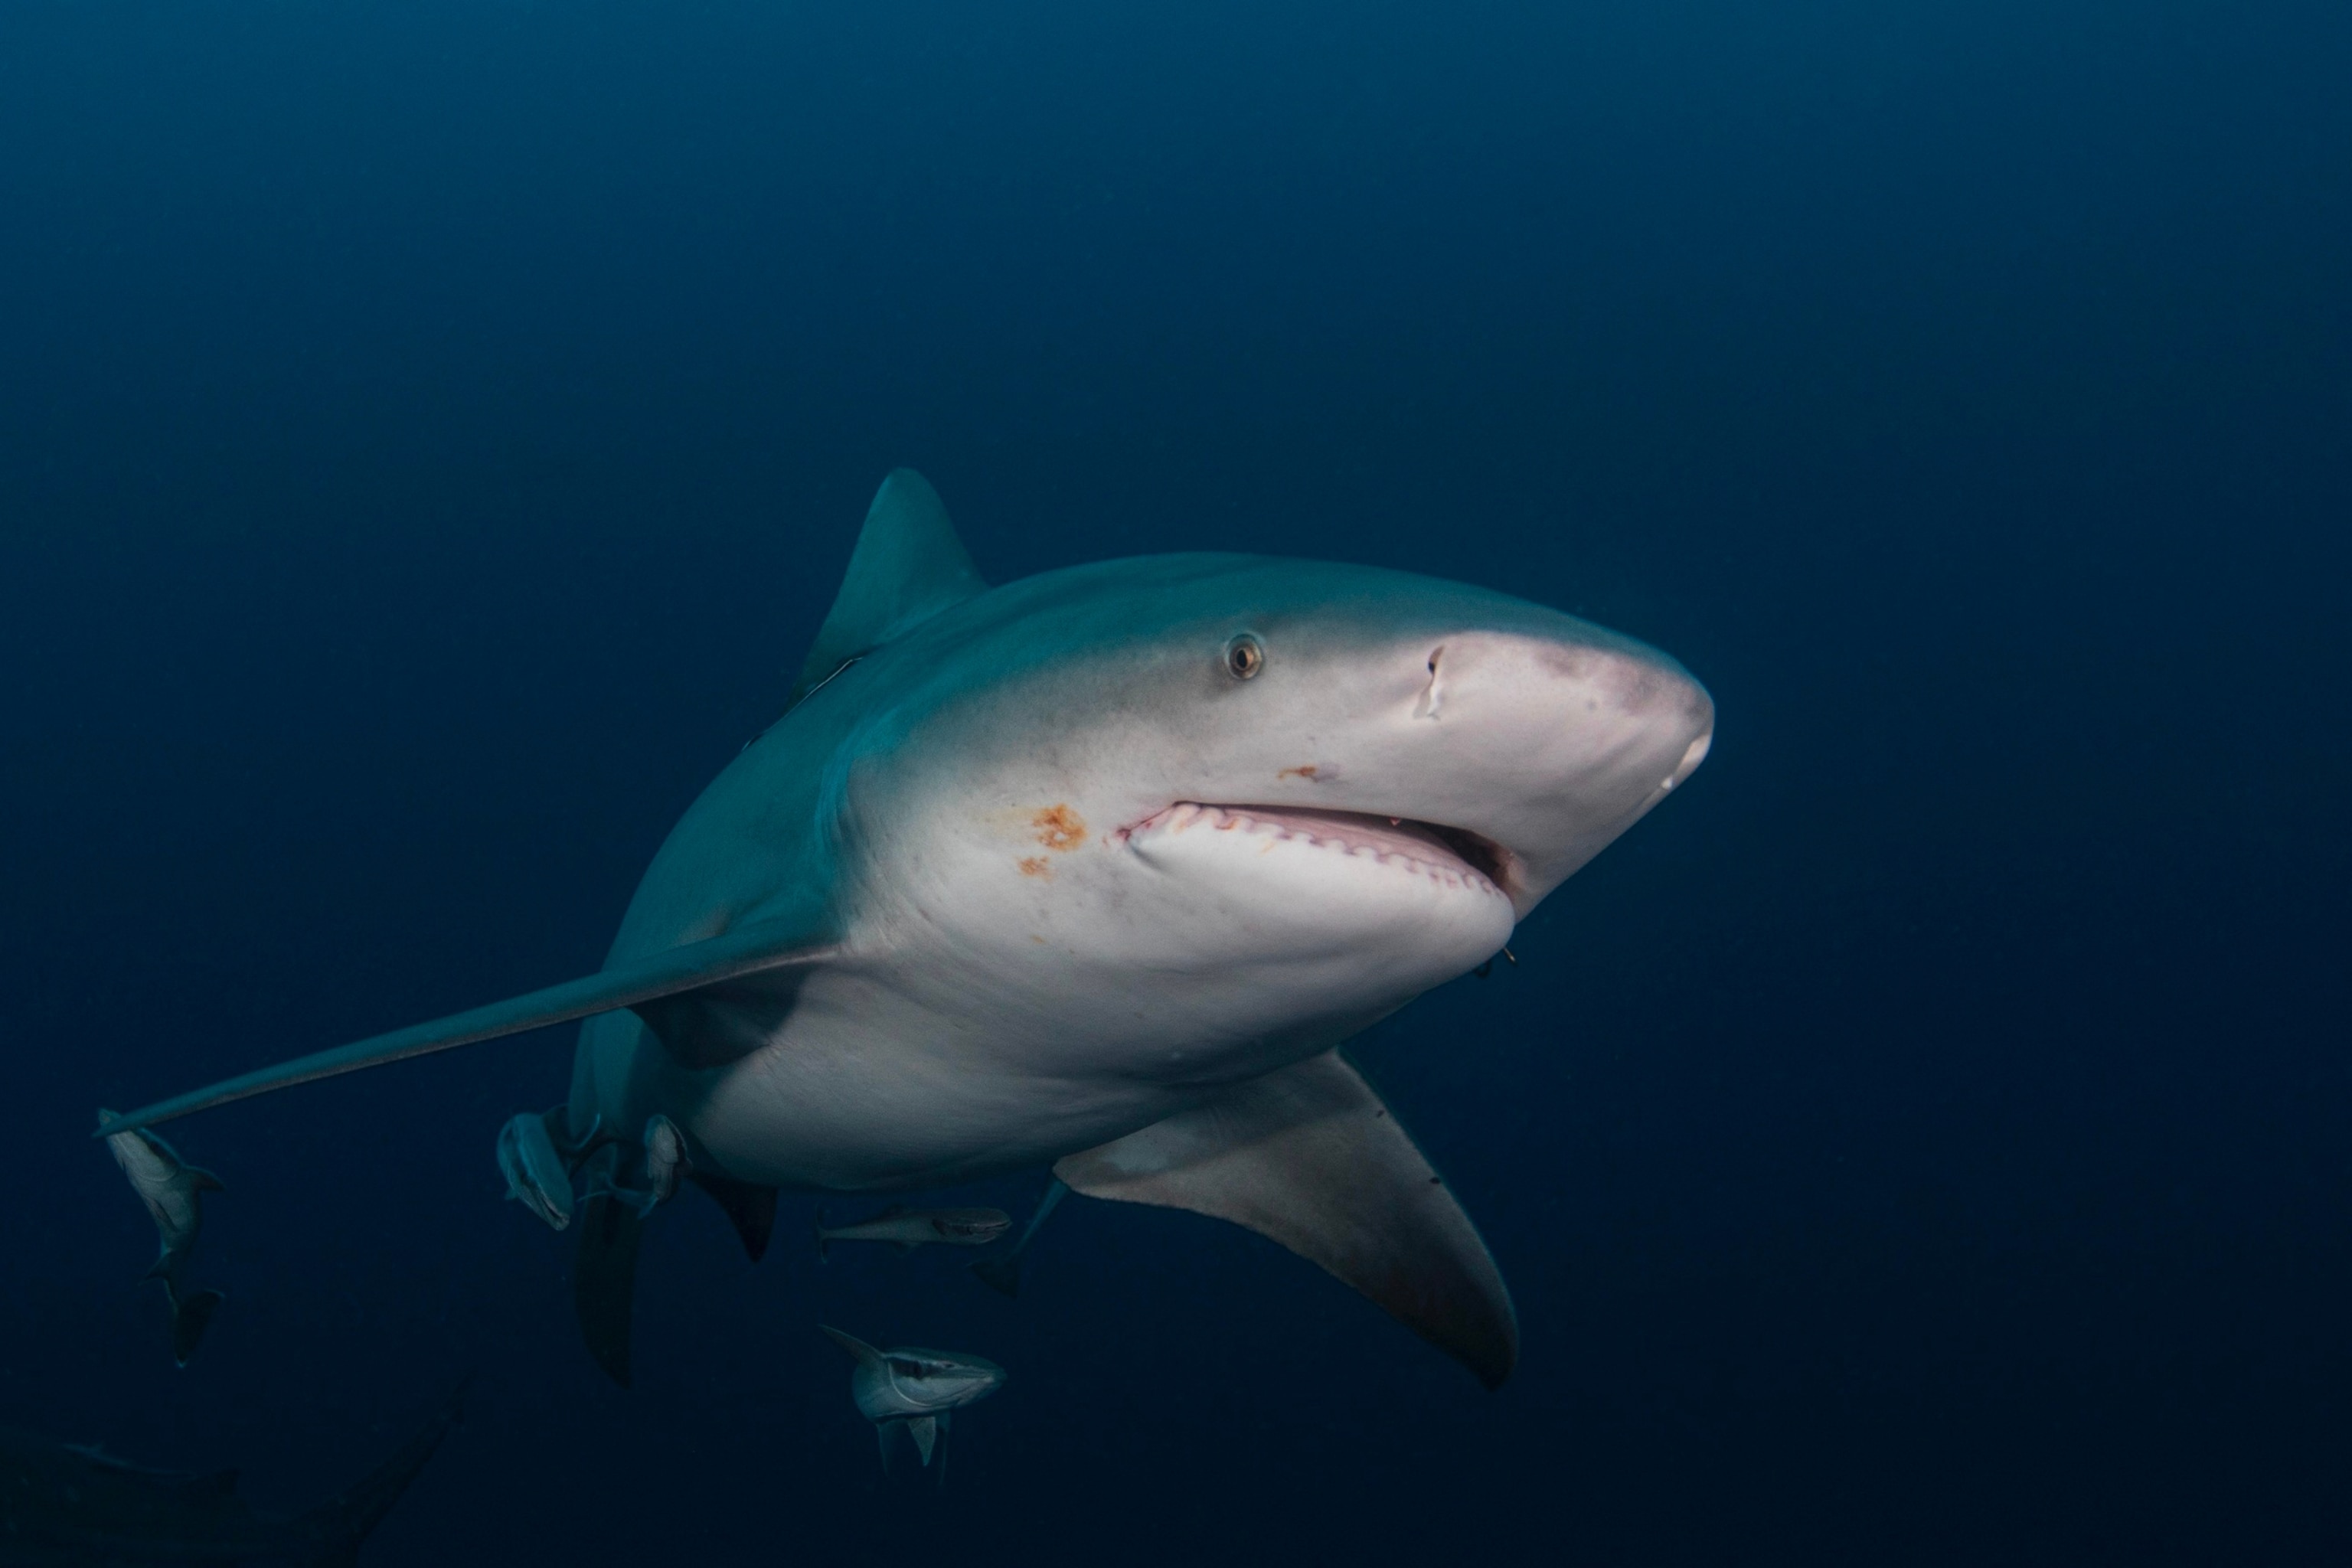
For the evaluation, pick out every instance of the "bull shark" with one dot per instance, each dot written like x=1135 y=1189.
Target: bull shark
x=63 y=1504
x=1097 y=869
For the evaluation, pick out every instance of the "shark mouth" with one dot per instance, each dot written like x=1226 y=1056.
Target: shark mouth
x=1450 y=855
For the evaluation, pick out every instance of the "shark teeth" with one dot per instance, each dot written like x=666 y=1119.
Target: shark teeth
x=1399 y=843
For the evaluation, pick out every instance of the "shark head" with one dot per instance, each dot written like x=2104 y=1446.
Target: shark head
x=1299 y=794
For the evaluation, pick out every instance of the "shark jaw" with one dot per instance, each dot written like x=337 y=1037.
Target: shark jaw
x=1388 y=897
x=1452 y=858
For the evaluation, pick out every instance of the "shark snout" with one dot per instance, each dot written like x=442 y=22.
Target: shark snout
x=1546 y=687
x=1551 y=742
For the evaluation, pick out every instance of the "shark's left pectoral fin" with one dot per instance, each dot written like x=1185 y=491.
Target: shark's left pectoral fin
x=723 y=964
x=1310 y=1158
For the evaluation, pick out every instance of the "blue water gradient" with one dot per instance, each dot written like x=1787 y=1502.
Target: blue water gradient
x=430 y=434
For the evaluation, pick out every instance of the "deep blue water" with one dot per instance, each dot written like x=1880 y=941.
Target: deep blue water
x=430 y=435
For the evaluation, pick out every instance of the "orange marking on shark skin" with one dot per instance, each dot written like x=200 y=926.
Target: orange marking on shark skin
x=1036 y=865
x=1306 y=773
x=1059 y=828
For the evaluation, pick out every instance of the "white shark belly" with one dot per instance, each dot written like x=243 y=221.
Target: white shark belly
x=989 y=1016
x=868 y=1088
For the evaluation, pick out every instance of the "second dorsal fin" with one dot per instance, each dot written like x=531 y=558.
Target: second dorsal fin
x=908 y=566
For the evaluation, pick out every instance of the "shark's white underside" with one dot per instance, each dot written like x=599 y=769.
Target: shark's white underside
x=1092 y=989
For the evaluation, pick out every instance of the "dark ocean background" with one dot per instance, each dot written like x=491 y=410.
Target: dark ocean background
x=431 y=433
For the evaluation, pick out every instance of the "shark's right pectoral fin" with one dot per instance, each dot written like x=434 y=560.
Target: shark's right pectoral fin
x=723 y=966
x=1310 y=1157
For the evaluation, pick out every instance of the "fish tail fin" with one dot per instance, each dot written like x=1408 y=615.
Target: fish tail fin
x=206 y=1182
x=906 y=1456
x=192 y=1314
x=1002 y=1274
x=337 y=1526
x=605 y=1281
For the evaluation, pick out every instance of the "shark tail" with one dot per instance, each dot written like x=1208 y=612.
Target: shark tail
x=337 y=1526
x=192 y=1314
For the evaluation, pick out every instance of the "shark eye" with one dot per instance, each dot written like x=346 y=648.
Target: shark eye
x=1245 y=657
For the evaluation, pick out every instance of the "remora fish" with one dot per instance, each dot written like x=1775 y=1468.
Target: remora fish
x=911 y=1229
x=536 y=1175
x=1097 y=869
x=913 y=1389
x=665 y=1160
x=660 y=1162
x=173 y=1192
x=62 y=1504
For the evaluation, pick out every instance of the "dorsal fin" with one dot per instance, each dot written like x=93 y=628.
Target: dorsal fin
x=908 y=566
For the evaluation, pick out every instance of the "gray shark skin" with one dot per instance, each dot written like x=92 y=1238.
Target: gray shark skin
x=907 y=1229
x=1096 y=870
x=173 y=1191
x=63 y=1504
x=914 y=1389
